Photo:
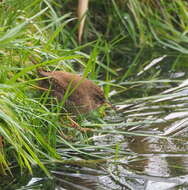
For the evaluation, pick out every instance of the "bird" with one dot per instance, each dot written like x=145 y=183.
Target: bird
x=80 y=94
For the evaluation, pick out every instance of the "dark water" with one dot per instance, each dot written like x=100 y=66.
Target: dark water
x=149 y=135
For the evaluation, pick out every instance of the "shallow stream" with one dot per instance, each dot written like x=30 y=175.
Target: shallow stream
x=144 y=144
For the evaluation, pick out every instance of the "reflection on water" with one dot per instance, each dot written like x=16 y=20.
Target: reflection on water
x=83 y=178
x=162 y=159
x=151 y=154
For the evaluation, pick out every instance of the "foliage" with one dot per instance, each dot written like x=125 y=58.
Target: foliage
x=124 y=58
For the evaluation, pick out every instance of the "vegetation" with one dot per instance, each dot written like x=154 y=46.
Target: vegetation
x=129 y=47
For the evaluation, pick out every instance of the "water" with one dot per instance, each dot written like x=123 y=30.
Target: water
x=145 y=143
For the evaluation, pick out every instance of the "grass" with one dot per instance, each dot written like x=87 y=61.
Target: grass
x=30 y=128
x=121 y=57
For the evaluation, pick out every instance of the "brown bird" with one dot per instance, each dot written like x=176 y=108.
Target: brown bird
x=83 y=95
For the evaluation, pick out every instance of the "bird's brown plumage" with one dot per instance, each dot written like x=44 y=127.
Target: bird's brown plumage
x=84 y=95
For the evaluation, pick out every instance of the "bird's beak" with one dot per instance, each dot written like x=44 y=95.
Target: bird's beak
x=110 y=105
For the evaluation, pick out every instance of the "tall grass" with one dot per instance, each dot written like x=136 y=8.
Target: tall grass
x=29 y=120
x=155 y=24
x=29 y=127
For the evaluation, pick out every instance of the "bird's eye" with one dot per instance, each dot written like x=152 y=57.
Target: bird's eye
x=99 y=98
